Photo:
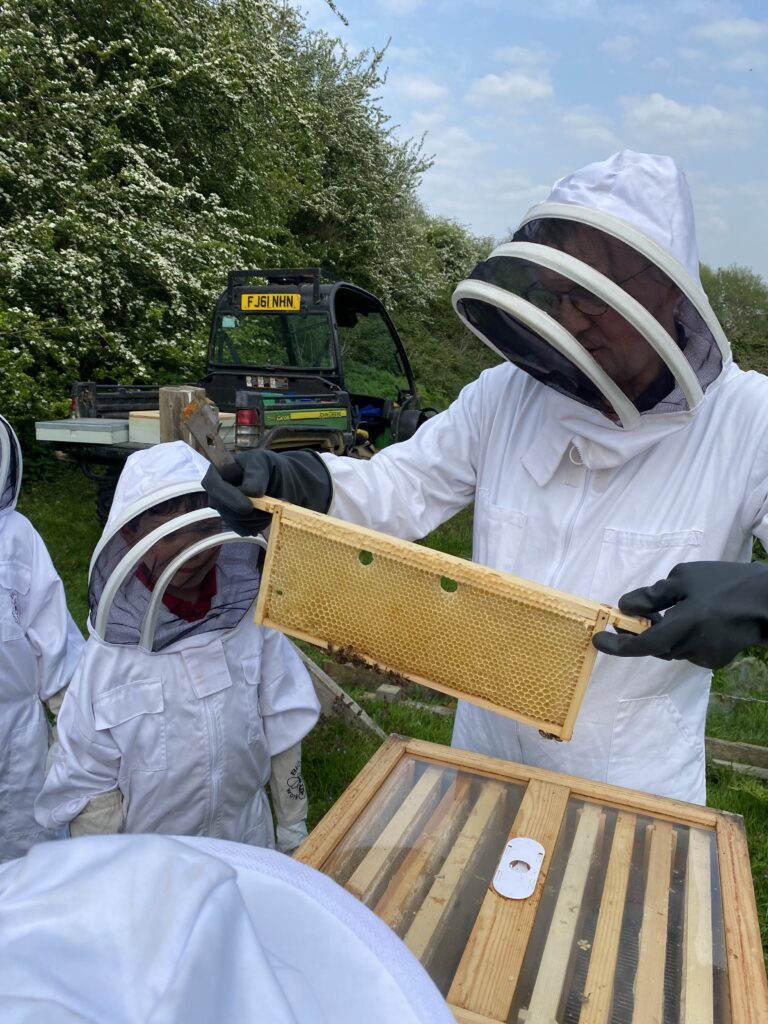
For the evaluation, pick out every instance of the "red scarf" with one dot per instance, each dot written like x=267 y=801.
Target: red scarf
x=189 y=611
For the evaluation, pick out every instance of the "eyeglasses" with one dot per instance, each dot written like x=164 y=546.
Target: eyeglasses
x=548 y=300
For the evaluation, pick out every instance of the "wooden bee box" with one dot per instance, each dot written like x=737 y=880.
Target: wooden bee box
x=643 y=910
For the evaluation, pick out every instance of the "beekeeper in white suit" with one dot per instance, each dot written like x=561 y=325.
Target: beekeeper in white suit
x=122 y=929
x=39 y=648
x=617 y=440
x=182 y=710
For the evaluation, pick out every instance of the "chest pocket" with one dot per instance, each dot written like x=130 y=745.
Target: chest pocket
x=134 y=716
x=14 y=585
x=252 y=673
x=498 y=534
x=628 y=560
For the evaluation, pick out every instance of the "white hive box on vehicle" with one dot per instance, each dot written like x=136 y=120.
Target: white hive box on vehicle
x=144 y=426
x=83 y=431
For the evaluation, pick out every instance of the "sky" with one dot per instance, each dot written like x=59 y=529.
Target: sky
x=510 y=95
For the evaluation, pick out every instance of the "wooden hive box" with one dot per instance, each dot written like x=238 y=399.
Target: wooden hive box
x=643 y=910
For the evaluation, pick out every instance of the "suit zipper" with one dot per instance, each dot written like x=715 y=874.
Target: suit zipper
x=572 y=524
x=212 y=759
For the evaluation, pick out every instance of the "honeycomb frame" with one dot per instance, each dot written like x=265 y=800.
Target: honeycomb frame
x=515 y=647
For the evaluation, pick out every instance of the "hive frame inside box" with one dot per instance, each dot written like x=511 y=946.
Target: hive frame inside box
x=482 y=988
x=500 y=667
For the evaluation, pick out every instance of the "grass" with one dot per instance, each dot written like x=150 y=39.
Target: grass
x=61 y=505
x=747 y=796
x=455 y=536
x=331 y=756
x=739 y=721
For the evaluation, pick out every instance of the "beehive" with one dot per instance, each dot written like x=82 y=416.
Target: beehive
x=501 y=642
x=642 y=912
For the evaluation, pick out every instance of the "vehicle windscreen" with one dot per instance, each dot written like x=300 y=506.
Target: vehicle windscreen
x=273 y=339
x=369 y=357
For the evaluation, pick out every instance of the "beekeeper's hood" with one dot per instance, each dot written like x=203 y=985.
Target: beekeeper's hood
x=598 y=294
x=166 y=568
x=133 y=928
x=10 y=466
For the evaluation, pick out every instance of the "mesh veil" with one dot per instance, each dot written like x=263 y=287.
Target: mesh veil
x=10 y=466
x=644 y=372
x=210 y=591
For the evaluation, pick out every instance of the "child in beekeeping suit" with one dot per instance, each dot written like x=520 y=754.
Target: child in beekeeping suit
x=39 y=648
x=182 y=709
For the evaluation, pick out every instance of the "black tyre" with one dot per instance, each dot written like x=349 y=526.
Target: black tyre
x=105 y=493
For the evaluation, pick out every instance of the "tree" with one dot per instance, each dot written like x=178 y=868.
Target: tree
x=149 y=146
x=739 y=298
x=445 y=355
x=357 y=218
x=128 y=153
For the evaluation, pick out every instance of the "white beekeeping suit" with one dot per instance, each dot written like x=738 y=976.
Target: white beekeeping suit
x=616 y=440
x=122 y=929
x=39 y=647
x=182 y=709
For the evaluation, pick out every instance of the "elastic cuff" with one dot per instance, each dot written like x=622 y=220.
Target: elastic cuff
x=331 y=484
x=290 y=836
x=328 y=479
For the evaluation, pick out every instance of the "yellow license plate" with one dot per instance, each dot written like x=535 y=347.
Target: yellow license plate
x=271 y=302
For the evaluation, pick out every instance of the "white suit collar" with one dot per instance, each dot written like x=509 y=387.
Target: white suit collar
x=601 y=443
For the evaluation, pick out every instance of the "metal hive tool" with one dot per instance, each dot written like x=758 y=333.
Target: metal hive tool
x=498 y=641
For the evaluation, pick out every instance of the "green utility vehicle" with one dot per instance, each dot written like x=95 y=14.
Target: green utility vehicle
x=296 y=359
x=307 y=363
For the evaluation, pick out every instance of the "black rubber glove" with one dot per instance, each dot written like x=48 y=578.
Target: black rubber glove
x=715 y=610
x=299 y=477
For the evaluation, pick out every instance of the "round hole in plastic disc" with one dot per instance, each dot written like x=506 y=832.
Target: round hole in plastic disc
x=448 y=585
x=520 y=865
x=366 y=557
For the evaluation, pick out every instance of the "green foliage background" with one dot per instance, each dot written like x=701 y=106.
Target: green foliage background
x=149 y=146
x=739 y=297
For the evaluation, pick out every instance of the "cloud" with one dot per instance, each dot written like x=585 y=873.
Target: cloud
x=590 y=128
x=710 y=193
x=510 y=87
x=407 y=54
x=733 y=94
x=454 y=148
x=619 y=47
x=747 y=60
x=689 y=54
x=496 y=200
x=569 y=8
x=519 y=189
x=404 y=7
x=709 y=201
x=419 y=89
x=735 y=32
x=524 y=57
x=756 y=191
x=658 y=118
x=709 y=217
x=427 y=120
